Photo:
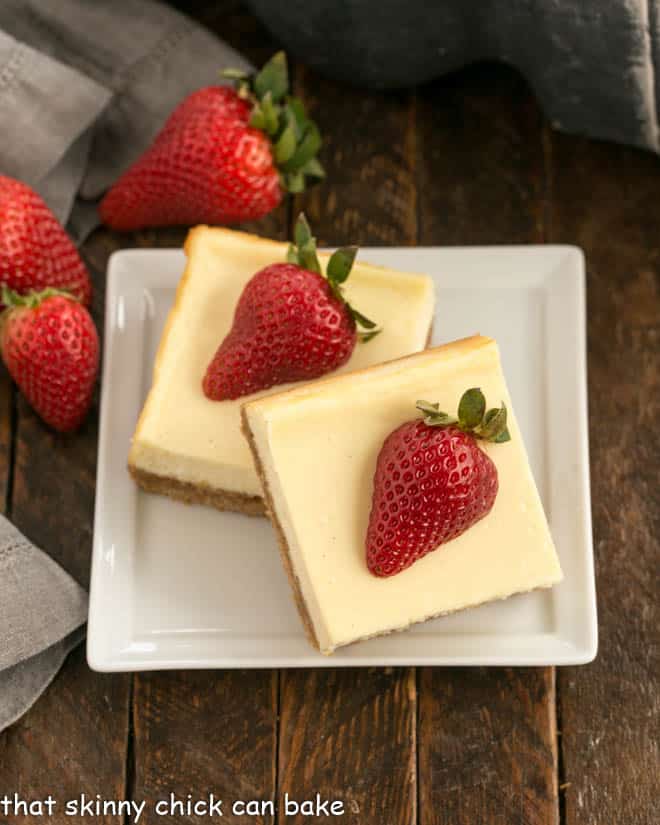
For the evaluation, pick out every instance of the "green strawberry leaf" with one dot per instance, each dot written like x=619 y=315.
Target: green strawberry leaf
x=235 y=74
x=271 y=115
x=433 y=415
x=303 y=251
x=440 y=420
x=428 y=408
x=294 y=182
x=258 y=118
x=308 y=258
x=305 y=150
x=365 y=337
x=273 y=78
x=471 y=408
x=314 y=169
x=302 y=233
x=489 y=426
x=285 y=145
x=340 y=264
x=297 y=109
x=361 y=319
x=10 y=299
x=493 y=424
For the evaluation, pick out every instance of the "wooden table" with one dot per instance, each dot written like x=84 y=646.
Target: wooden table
x=468 y=159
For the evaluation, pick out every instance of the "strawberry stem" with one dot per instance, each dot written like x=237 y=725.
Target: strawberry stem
x=303 y=253
x=473 y=418
x=295 y=137
x=32 y=299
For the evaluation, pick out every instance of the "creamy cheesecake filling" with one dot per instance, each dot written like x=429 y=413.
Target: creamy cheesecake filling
x=183 y=435
x=318 y=446
x=162 y=462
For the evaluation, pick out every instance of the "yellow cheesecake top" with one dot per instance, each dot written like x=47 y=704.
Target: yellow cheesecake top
x=318 y=445
x=184 y=435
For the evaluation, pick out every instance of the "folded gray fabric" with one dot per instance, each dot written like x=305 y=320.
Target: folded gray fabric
x=592 y=63
x=84 y=87
x=42 y=611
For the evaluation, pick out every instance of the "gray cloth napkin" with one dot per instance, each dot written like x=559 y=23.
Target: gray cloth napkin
x=42 y=611
x=84 y=87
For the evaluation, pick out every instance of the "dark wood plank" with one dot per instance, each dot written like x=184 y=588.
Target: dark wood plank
x=480 y=165
x=487 y=746
x=369 y=195
x=74 y=739
x=205 y=732
x=350 y=734
x=487 y=749
x=605 y=200
x=209 y=731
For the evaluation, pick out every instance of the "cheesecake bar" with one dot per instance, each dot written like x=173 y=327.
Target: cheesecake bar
x=316 y=448
x=191 y=448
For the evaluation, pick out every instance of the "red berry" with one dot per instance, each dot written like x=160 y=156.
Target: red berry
x=431 y=484
x=207 y=165
x=35 y=251
x=51 y=349
x=288 y=326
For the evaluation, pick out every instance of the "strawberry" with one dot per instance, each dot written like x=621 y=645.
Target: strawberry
x=35 y=251
x=224 y=156
x=290 y=324
x=432 y=482
x=49 y=344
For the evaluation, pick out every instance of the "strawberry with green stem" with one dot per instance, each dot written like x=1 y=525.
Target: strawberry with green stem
x=225 y=155
x=432 y=482
x=50 y=347
x=290 y=324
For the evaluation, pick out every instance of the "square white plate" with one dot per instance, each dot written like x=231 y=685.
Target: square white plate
x=175 y=586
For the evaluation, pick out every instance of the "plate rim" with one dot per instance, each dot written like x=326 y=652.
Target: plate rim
x=580 y=648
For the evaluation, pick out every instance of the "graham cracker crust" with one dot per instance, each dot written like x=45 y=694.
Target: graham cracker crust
x=281 y=538
x=198 y=493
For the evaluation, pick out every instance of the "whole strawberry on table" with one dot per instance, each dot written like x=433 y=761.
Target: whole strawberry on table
x=35 y=251
x=225 y=155
x=432 y=482
x=291 y=323
x=50 y=347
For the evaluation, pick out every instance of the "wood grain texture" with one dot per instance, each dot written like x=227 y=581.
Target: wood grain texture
x=349 y=735
x=369 y=195
x=72 y=741
x=205 y=732
x=487 y=747
x=74 y=738
x=604 y=199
